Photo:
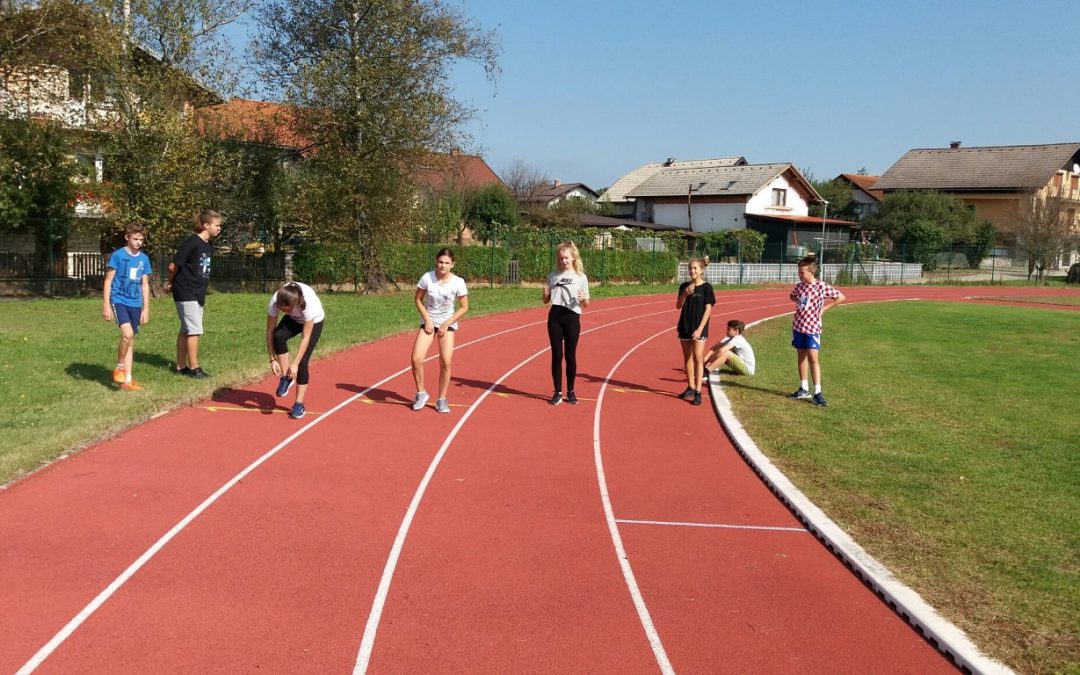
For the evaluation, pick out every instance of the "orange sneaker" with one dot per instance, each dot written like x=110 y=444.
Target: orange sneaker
x=130 y=386
x=118 y=375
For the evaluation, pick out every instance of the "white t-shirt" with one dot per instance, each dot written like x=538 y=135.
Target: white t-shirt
x=440 y=297
x=741 y=348
x=313 y=311
x=565 y=286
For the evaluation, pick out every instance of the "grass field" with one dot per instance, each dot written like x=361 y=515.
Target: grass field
x=950 y=451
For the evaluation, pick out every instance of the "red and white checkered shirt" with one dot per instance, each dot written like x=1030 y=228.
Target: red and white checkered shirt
x=809 y=304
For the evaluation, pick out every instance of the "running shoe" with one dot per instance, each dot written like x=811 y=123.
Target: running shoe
x=697 y=398
x=118 y=375
x=420 y=401
x=571 y=398
x=688 y=394
x=130 y=386
x=555 y=399
x=297 y=411
x=441 y=406
x=799 y=394
x=819 y=399
x=198 y=373
x=284 y=385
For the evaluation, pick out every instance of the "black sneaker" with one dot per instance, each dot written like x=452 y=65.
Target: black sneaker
x=697 y=398
x=688 y=394
x=799 y=394
x=198 y=373
x=185 y=371
x=571 y=398
x=556 y=399
x=284 y=385
x=820 y=400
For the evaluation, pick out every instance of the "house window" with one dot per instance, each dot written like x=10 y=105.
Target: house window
x=1070 y=217
x=76 y=84
x=779 y=197
x=1056 y=183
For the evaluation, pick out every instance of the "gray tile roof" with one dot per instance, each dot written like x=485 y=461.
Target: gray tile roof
x=619 y=189
x=1006 y=167
x=727 y=180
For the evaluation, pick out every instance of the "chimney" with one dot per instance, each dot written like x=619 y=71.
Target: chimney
x=556 y=183
x=670 y=161
x=954 y=145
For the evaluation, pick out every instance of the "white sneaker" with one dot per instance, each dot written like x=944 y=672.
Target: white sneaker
x=442 y=406
x=420 y=401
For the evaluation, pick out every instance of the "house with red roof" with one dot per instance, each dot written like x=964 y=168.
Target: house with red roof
x=865 y=198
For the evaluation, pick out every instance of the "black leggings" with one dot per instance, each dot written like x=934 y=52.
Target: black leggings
x=564 y=325
x=290 y=328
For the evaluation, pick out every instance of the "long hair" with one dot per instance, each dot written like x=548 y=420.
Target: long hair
x=572 y=247
x=445 y=252
x=291 y=295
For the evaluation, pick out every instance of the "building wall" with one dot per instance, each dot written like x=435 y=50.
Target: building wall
x=761 y=202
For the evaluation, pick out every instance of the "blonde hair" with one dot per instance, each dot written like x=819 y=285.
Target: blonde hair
x=703 y=261
x=572 y=247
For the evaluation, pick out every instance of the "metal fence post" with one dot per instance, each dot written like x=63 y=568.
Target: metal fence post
x=52 y=262
x=993 y=264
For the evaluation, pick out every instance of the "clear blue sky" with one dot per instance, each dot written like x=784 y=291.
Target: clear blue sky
x=589 y=91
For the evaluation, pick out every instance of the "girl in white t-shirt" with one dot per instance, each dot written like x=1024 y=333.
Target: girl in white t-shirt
x=567 y=289
x=303 y=316
x=436 y=293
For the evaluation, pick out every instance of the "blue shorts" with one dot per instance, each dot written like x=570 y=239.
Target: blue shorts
x=125 y=314
x=805 y=340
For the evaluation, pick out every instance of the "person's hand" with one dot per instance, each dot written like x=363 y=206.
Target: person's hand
x=275 y=367
x=581 y=296
x=106 y=312
x=292 y=372
x=144 y=316
x=429 y=327
x=167 y=286
x=442 y=330
x=689 y=290
x=697 y=334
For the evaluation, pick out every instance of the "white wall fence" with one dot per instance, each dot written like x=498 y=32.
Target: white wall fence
x=757 y=273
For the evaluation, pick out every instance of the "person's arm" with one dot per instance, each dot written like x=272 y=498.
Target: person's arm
x=583 y=293
x=546 y=294
x=271 y=321
x=172 y=275
x=106 y=294
x=834 y=301
x=144 y=316
x=683 y=295
x=305 y=338
x=418 y=299
x=463 y=306
x=704 y=322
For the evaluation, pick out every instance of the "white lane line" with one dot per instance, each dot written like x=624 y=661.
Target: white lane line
x=722 y=526
x=45 y=651
x=367 y=643
x=613 y=528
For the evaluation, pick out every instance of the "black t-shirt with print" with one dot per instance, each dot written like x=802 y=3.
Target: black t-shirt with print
x=694 y=308
x=192 y=262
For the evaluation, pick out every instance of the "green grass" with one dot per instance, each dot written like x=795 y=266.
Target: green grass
x=58 y=354
x=950 y=451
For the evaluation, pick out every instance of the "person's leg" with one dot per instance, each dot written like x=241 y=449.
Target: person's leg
x=699 y=363
x=302 y=372
x=804 y=366
x=193 y=351
x=815 y=368
x=419 y=351
x=555 y=338
x=446 y=357
x=126 y=352
x=286 y=329
x=688 y=361
x=572 y=331
x=181 y=351
x=716 y=360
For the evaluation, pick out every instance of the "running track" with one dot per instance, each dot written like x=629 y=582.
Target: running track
x=624 y=535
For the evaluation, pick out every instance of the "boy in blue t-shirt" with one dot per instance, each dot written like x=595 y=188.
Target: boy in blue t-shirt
x=127 y=299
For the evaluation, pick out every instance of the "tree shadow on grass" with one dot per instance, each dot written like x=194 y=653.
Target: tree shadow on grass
x=90 y=372
x=253 y=400
x=376 y=395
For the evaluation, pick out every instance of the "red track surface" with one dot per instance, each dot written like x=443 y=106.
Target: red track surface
x=507 y=563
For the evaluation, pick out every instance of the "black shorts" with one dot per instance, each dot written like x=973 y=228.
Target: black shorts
x=448 y=330
x=685 y=337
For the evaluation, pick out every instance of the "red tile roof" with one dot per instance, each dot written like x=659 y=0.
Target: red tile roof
x=864 y=183
x=454 y=171
x=253 y=122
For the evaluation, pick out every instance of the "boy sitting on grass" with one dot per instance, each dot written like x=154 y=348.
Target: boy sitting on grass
x=733 y=351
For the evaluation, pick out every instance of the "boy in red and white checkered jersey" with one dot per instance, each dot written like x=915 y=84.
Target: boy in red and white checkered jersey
x=812 y=298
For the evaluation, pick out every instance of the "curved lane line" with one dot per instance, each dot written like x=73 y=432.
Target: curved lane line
x=367 y=643
x=64 y=633
x=613 y=527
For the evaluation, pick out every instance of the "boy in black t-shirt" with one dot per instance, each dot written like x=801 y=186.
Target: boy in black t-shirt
x=189 y=275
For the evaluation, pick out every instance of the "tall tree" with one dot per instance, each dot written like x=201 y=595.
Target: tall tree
x=1043 y=230
x=370 y=79
x=524 y=180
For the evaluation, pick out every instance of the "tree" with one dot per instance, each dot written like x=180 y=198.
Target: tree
x=369 y=79
x=489 y=211
x=917 y=220
x=838 y=193
x=1043 y=230
x=524 y=180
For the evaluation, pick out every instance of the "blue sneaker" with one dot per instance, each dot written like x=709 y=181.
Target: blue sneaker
x=284 y=385
x=297 y=411
x=799 y=394
x=820 y=400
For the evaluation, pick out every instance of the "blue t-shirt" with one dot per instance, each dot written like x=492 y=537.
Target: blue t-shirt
x=127 y=284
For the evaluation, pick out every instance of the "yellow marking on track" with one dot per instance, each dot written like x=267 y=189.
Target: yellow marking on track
x=225 y=408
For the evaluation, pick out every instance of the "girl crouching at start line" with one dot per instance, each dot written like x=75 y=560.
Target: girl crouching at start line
x=304 y=317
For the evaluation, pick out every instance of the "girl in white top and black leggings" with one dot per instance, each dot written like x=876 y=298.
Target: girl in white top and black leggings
x=567 y=289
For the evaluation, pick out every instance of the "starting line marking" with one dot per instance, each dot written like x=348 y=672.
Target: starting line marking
x=723 y=526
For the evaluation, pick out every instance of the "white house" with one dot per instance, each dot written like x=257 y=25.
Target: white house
x=623 y=206
x=558 y=191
